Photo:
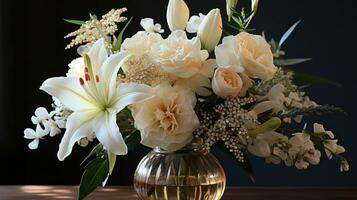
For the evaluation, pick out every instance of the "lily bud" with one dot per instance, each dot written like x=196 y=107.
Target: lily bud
x=230 y=4
x=210 y=30
x=254 y=6
x=177 y=15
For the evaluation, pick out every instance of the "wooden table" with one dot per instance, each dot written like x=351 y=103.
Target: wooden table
x=29 y=192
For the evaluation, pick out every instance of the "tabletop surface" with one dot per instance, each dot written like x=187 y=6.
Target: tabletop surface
x=30 y=192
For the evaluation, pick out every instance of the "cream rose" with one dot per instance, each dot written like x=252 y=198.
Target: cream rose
x=249 y=53
x=228 y=83
x=168 y=119
x=184 y=61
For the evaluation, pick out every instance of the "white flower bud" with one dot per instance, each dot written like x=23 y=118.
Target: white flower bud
x=177 y=15
x=210 y=30
x=230 y=4
x=254 y=5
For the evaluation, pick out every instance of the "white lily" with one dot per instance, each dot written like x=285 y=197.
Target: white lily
x=95 y=99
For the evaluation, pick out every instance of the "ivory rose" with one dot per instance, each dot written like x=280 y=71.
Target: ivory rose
x=247 y=52
x=228 y=83
x=184 y=61
x=168 y=119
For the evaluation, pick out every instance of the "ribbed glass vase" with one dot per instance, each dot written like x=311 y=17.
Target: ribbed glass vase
x=186 y=174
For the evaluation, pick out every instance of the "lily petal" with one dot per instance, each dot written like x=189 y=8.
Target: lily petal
x=69 y=91
x=130 y=93
x=98 y=54
x=78 y=126
x=109 y=71
x=108 y=134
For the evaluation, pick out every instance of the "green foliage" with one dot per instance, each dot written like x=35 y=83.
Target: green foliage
x=311 y=111
x=117 y=45
x=240 y=20
x=288 y=33
x=315 y=80
x=289 y=61
x=96 y=171
x=276 y=46
x=96 y=150
x=76 y=22
x=271 y=125
x=280 y=77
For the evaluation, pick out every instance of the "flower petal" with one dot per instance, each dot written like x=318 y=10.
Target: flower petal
x=42 y=113
x=69 y=91
x=29 y=133
x=98 y=54
x=79 y=125
x=109 y=72
x=130 y=93
x=34 y=144
x=108 y=134
x=147 y=23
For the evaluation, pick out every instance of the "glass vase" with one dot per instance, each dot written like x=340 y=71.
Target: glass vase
x=186 y=174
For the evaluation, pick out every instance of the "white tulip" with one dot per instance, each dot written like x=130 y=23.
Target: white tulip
x=210 y=30
x=177 y=15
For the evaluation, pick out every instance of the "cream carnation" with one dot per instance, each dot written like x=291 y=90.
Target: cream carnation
x=247 y=52
x=141 y=42
x=168 y=119
x=184 y=60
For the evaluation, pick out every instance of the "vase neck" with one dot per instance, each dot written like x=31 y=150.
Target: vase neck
x=194 y=145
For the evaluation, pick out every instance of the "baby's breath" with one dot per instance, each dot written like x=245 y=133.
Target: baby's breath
x=228 y=124
x=94 y=29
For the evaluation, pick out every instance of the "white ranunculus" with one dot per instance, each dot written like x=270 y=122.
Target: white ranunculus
x=210 y=30
x=226 y=83
x=184 y=61
x=247 y=52
x=168 y=119
x=177 y=15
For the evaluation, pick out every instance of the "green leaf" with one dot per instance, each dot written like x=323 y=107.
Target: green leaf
x=288 y=33
x=95 y=173
x=72 y=21
x=112 y=159
x=133 y=140
x=311 y=111
x=117 y=45
x=313 y=79
x=93 y=17
x=290 y=61
x=246 y=165
x=98 y=148
x=271 y=125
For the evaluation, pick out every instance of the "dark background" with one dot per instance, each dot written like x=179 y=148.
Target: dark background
x=32 y=49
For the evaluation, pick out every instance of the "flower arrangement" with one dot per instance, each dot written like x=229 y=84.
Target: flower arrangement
x=233 y=91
